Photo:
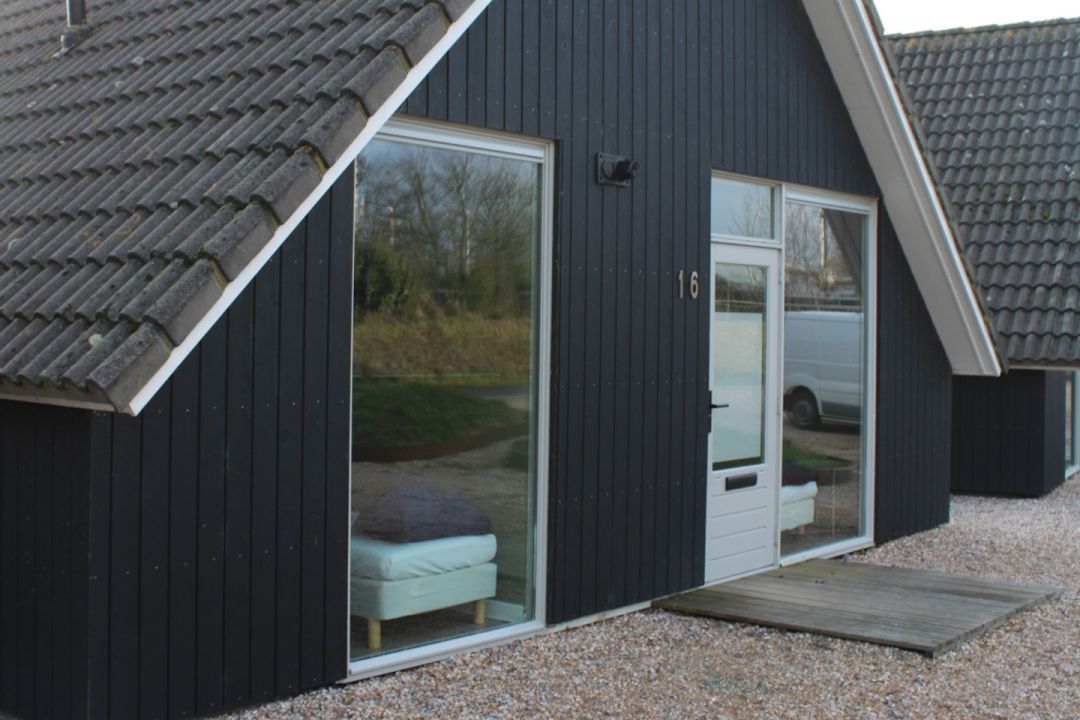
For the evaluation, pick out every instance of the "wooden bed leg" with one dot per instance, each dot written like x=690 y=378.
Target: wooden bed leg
x=374 y=634
x=479 y=613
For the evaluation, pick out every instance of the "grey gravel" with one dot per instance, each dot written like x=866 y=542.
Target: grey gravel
x=654 y=664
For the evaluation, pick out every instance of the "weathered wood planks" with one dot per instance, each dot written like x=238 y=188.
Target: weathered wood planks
x=928 y=612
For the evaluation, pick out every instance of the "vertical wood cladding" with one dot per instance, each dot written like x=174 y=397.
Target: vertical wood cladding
x=220 y=514
x=43 y=560
x=914 y=403
x=685 y=88
x=1009 y=433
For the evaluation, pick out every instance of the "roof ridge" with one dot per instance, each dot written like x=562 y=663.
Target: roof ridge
x=1059 y=22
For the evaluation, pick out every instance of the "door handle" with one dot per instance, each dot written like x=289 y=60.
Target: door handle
x=714 y=406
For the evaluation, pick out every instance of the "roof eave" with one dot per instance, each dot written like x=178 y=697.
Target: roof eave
x=846 y=33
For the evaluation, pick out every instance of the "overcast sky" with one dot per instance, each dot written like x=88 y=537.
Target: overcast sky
x=902 y=16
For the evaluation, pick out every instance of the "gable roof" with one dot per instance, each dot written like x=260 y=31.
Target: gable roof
x=849 y=38
x=144 y=172
x=999 y=109
x=148 y=173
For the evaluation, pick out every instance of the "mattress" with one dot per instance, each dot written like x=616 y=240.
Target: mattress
x=796 y=514
x=790 y=494
x=390 y=599
x=379 y=560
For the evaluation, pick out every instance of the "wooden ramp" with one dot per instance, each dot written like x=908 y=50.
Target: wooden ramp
x=928 y=612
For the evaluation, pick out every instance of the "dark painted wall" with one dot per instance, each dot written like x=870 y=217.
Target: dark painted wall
x=685 y=88
x=1009 y=433
x=44 y=495
x=220 y=514
x=914 y=401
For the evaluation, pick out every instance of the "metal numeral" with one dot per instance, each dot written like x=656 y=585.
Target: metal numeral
x=695 y=285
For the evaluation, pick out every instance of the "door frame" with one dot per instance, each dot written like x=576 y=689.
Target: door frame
x=783 y=193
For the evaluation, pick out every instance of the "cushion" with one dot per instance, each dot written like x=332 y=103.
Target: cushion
x=414 y=513
x=380 y=560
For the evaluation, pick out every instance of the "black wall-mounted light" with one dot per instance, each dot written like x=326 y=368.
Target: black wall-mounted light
x=616 y=169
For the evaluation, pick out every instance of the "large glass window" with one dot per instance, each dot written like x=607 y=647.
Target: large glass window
x=1071 y=416
x=445 y=393
x=825 y=377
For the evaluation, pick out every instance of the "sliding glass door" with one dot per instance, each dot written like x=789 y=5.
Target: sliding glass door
x=449 y=236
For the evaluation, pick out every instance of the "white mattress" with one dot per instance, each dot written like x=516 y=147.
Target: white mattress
x=390 y=599
x=790 y=494
x=379 y=560
x=797 y=514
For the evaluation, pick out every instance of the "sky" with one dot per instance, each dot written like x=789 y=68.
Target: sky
x=903 y=16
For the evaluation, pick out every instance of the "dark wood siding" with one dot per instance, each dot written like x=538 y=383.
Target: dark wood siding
x=44 y=453
x=914 y=402
x=685 y=88
x=220 y=514
x=1009 y=433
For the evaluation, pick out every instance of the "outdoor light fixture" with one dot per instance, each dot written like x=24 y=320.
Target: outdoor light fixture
x=616 y=170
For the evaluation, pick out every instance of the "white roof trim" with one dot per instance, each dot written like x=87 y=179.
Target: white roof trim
x=374 y=124
x=847 y=36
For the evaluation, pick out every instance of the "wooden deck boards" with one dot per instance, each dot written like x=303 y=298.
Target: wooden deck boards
x=928 y=612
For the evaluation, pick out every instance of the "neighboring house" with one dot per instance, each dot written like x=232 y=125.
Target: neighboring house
x=336 y=337
x=999 y=111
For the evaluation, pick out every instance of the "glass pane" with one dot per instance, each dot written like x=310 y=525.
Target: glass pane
x=444 y=394
x=738 y=352
x=821 y=499
x=1069 y=420
x=742 y=209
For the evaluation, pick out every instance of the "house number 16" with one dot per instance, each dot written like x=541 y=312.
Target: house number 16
x=694 y=284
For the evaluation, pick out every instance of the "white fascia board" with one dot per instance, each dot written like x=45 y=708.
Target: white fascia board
x=374 y=124
x=847 y=37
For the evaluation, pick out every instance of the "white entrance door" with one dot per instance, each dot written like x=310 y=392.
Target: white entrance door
x=744 y=364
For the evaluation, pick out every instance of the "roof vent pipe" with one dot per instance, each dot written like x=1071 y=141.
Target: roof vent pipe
x=76 y=28
x=76 y=12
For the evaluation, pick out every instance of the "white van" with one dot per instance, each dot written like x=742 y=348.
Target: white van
x=823 y=366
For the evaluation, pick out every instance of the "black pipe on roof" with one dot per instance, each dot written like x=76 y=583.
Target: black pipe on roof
x=76 y=13
x=76 y=26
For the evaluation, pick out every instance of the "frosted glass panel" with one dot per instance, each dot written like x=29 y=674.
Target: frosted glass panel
x=738 y=352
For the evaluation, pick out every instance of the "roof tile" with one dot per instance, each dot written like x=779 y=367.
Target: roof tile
x=143 y=170
x=999 y=109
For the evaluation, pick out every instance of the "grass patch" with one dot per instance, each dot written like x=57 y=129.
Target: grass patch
x=809 y=459
x=402 y=414
x=466 y=349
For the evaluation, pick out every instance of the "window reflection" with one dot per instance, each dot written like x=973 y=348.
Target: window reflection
x=738 y=364
x=824 y=377
x=1070 y=420
x=741 y=209
x=444 y=399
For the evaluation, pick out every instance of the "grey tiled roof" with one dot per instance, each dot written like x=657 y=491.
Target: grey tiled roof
x=141 y=171
x=999 y=110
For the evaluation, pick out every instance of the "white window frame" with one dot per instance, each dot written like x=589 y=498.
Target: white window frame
x=783 y=193
x=868 y=207
x=542 y=153
x=1075 y=420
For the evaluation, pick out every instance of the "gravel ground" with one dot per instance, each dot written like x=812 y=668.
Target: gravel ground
x=654 y=664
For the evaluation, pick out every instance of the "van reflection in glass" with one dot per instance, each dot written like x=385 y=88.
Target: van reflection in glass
x=821 y=499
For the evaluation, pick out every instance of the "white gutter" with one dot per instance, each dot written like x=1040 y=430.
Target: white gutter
x=847 y=36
